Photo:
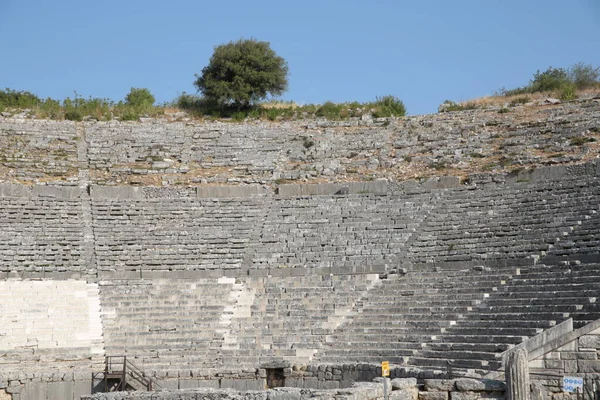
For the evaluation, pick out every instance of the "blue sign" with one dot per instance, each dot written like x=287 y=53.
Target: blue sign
x=572 y=384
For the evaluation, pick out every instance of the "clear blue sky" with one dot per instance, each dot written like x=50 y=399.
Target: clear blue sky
x=420 y=51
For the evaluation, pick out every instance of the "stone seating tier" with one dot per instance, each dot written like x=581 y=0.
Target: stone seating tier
x=432 y=324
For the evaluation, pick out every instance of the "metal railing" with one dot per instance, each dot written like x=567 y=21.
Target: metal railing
x=121 y=369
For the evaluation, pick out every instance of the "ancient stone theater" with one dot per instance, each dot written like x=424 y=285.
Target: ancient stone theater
x=174 y=255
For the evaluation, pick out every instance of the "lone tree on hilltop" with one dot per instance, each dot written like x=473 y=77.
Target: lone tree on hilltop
x=243 y=72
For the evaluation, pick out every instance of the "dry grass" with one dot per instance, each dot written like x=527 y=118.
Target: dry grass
x=500 y=100
x=279 y=104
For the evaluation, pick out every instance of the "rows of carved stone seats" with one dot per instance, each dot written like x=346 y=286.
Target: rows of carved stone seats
x=35 y=148
x=405 y=314
x=584 y=239
x=174 y=233
x=211 y=145
x=40 y=234
x=162 y=324
x=49 y=322
x=503 y=222
x=565 y=290
x=354 y=230
x=290 y=317
x=533 y=300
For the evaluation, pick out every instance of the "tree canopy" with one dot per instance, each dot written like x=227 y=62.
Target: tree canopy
x=242 y=73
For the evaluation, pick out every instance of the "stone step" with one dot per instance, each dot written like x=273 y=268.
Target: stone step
x=453 y=346
x=499 y=331
x=444 y=363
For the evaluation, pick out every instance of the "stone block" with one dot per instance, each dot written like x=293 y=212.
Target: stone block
x=476 y=385
x=405 y=394
x=230 y=191
x=476 y=396
x=208 y=383
x=311 y=382
x=589 y=342
x=570 y=366
x=563 y=396
x=438 y=385
x=256 y=384
x=554 y=364
x=589 y=366
x=579 y=355
x=433 y=396
x=188 y=383
x=284 y=394
x=115 y=192
x=12 y=190
x=329 y=385
x=58 y=192
x=404 y=383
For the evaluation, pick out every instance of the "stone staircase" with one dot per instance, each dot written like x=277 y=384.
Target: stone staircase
x=288 y=318
x=348 y=233
x=404 y=314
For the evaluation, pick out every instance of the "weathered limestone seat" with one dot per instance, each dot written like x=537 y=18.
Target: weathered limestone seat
x=173 y=234
x=503 y=223
x=40 y=234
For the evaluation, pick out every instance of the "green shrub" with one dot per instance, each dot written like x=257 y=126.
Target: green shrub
x=329 y=110
x=272 y=114
x=73 y=115
x=389 y=106
x=18 y=99
x=94 y=107
x=568 y=91
x=128 y=114
x=550 y=79
x=239 y=116
x=584 y=75
x=50 y=108
x=140 y=97
x=515 y=92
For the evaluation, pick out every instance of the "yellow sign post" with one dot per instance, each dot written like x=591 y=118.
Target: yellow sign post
x=385 y=368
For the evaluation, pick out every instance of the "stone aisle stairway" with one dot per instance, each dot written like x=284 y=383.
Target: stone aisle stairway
x=403 y=315
x=288 y=319
x=348 y=233
x=464 y=319
x=503 y=223
x=533 y=300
